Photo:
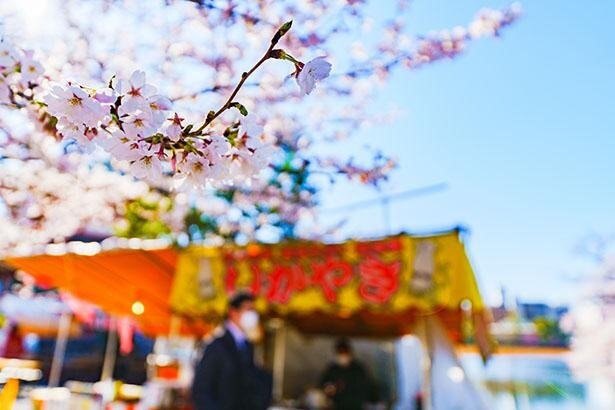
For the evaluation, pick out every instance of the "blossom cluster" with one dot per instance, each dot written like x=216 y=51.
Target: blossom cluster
x=591 y=321
x=45 y=204
x=131 y=121
x=19 y=73
x=489 y=22
x=369 y=175
x=134 y=124
x=398 y=49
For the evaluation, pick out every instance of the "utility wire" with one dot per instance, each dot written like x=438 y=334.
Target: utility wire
x=384 y=199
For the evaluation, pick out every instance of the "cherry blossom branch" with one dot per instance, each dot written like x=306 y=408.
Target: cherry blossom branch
x=230 y=11
x=244 y=76
x=429 y=49
x=130 y=121
x=307 y=75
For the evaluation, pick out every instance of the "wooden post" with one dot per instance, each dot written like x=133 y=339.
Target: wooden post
x=425 y=338
x=390 y=348
x=110 y=352
x=279 y=358
x=59 y=350
x=175 y=326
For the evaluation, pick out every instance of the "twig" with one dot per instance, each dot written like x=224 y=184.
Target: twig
x=227 y=104
x=244 y=76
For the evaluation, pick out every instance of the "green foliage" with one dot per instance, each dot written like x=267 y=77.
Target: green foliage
x=240 y=107
x=198 y=225
x=231 y=133
x=547 y=328
x=143 y=218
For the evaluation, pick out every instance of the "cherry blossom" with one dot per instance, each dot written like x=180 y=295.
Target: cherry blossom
x=139 y=124
x=173 y=127
x=159 y=106
x=135 y=91
x=8 y=55
x=313 y=71
x=72 y=104
x=196 y=169
x=5 y=91
x=30 y=69
x=147 y=167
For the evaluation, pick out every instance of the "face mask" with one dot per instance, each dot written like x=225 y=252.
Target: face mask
x=343 y=360
x=248 y=321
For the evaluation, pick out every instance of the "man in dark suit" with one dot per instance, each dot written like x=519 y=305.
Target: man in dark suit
x=226 y=377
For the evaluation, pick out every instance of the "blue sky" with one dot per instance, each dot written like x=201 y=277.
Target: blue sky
x=522 y=128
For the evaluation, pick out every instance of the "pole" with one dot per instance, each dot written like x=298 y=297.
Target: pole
x=427 y=388
x=279 y=358
x=59 y=350
x=394 y=391
x=110 y=352
x=175 y=327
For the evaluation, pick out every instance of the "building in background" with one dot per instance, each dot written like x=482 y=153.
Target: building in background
x=528 y=323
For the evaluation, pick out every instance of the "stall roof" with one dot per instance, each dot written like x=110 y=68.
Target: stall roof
x=113 y=280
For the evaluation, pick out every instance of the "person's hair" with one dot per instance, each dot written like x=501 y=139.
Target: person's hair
x=239 y=298
x=342 y=345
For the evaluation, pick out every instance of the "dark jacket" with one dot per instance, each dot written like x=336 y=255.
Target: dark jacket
x=226 y=378
x=354 y=387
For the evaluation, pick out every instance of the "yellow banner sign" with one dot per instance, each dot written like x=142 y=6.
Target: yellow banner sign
x=393 y=274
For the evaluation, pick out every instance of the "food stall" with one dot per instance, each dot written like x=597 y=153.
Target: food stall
x=384 y=288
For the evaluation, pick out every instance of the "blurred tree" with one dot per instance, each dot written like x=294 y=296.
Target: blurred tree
x=195 y=51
